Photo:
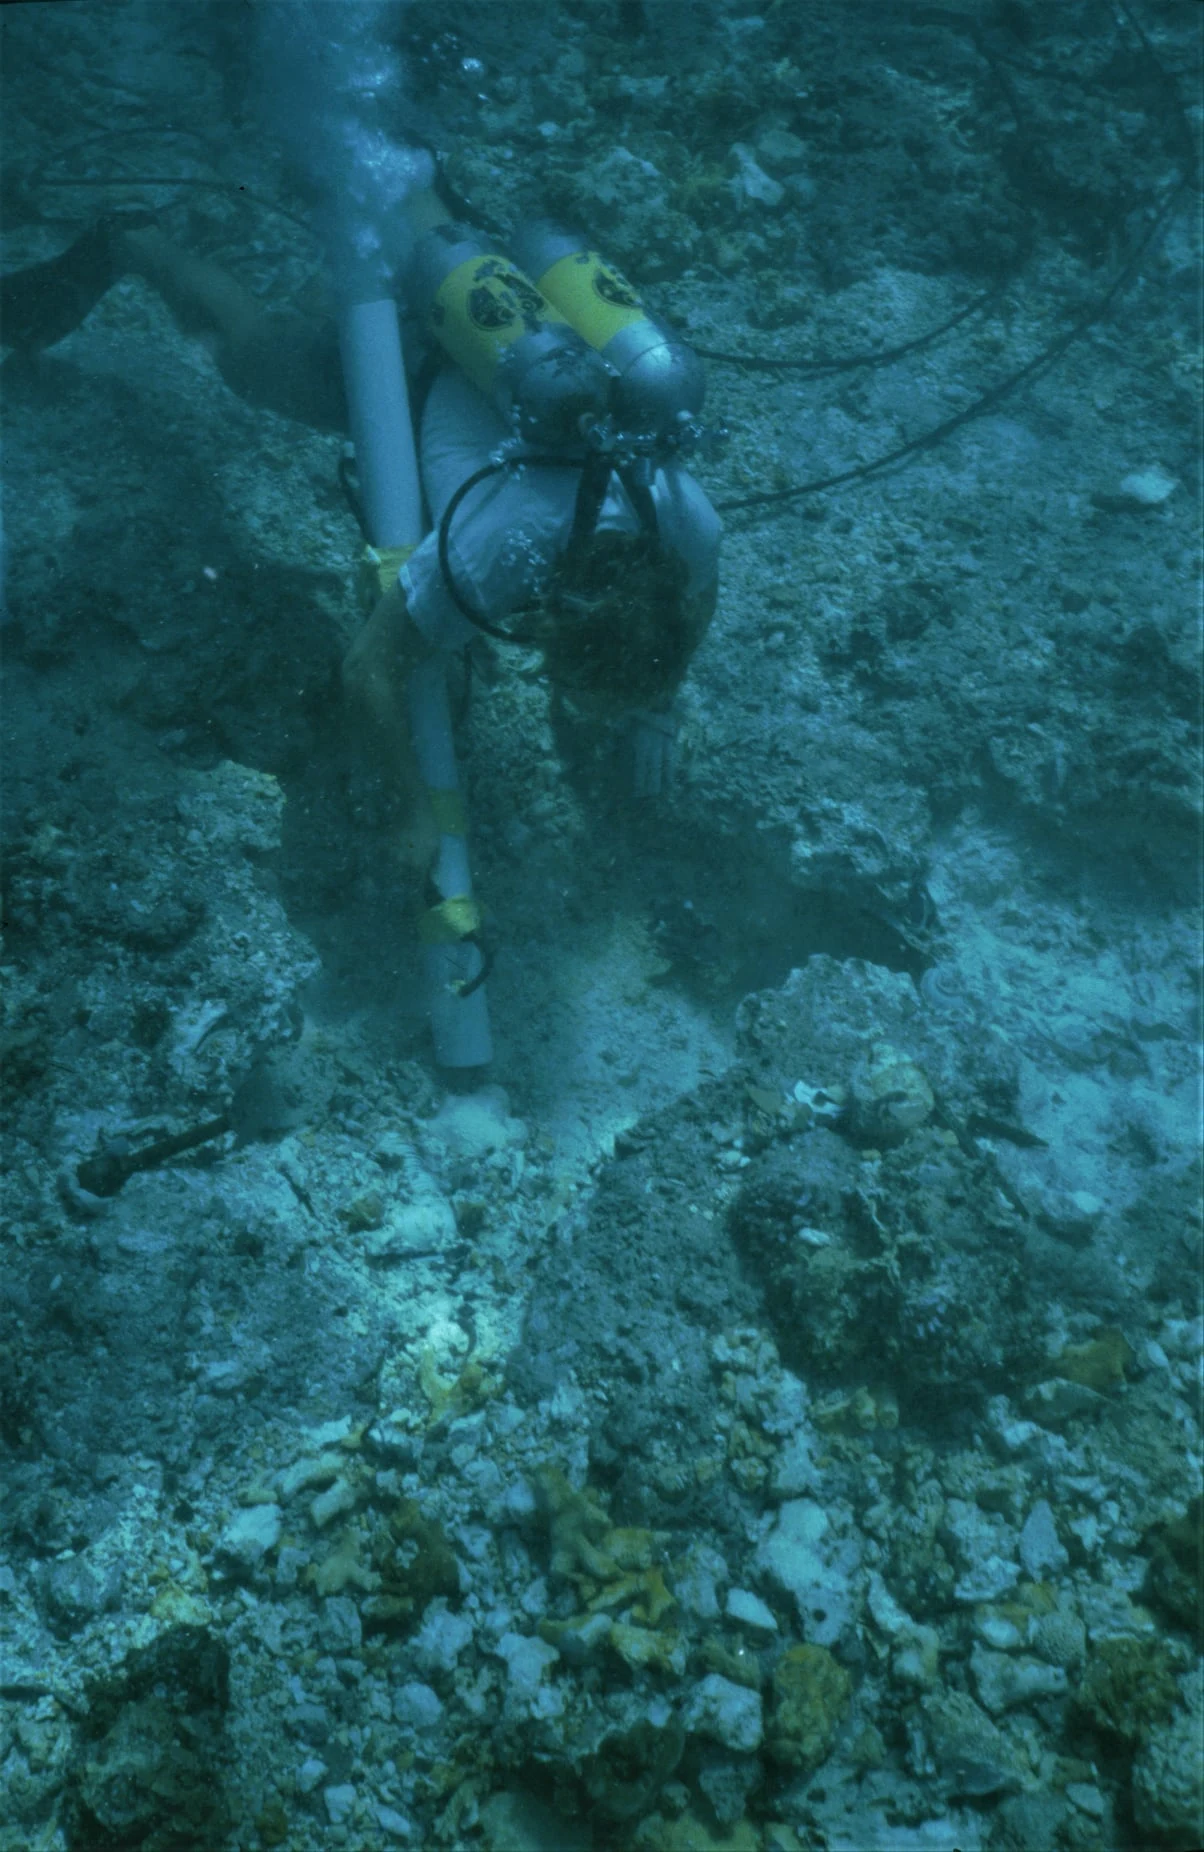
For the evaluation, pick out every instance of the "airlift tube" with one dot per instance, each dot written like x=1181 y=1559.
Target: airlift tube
x=459 y=1023
x=379 y=409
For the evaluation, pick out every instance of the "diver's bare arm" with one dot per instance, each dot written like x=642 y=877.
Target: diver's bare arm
x=652 y=732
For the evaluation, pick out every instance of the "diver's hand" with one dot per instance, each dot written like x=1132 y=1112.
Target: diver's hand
x=652 y=749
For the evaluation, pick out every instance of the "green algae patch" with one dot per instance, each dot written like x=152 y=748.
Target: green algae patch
x=810 y=1696
x=413 y=1563
x=1175 y=1578
x=1128 y=1689
x=690 y=1834
x=1099 y=1364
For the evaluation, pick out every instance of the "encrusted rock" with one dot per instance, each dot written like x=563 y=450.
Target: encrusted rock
x=889 y=1096
x=1168 y=1777
x=77 y=1589
x=1041 y=1551
x=973 y=1757
x=150 y=1769
x=1006 y=1681
x=250 y=1536
x=728 y=1713
x=1128 y=1688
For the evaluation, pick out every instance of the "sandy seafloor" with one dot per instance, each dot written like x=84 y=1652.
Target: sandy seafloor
x=767 y=1414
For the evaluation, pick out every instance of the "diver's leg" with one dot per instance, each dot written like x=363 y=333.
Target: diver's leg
x=204 y=298
x=277 y=358
x=376 y=670
x=46 y=302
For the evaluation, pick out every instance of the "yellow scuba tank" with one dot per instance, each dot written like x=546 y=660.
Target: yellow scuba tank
x=661 y=382
x=514 y=345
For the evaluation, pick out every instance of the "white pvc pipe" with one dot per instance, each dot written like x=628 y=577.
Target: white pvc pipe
x=387 y=465
x=460 y=1024
x=381 y=428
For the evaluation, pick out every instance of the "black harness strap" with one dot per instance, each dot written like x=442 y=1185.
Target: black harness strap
x=591 y=493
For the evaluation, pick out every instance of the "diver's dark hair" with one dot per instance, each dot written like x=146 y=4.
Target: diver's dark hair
x=612 y=619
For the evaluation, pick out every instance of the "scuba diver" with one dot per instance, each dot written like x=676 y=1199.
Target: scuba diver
x=550 y=442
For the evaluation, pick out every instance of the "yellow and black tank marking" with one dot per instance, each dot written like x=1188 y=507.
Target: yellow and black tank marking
x=595 y=297
x=482 y=307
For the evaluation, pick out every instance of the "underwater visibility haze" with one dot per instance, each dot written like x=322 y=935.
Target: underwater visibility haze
x=601 y=992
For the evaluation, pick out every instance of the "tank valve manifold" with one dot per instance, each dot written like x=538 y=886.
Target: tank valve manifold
x=659 y=383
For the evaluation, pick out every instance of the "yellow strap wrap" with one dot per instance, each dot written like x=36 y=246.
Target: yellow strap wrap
x=449 y=813
x=452 y=919
x=378 y=570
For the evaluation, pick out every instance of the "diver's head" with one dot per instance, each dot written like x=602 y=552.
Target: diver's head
x=611 y=620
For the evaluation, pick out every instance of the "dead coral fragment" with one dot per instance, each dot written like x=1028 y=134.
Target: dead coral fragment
x=735 y=1662
x=616 y=1572
x=584 y=1542
x=577 y=1523
x=644 y=1596
x=458 y=1395
x=341 y=1569
x=640 y=1647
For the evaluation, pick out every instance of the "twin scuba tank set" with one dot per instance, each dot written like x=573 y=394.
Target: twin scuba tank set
x=584 y=377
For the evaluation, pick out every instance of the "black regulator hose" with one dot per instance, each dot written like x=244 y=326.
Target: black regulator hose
x=459 y=599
